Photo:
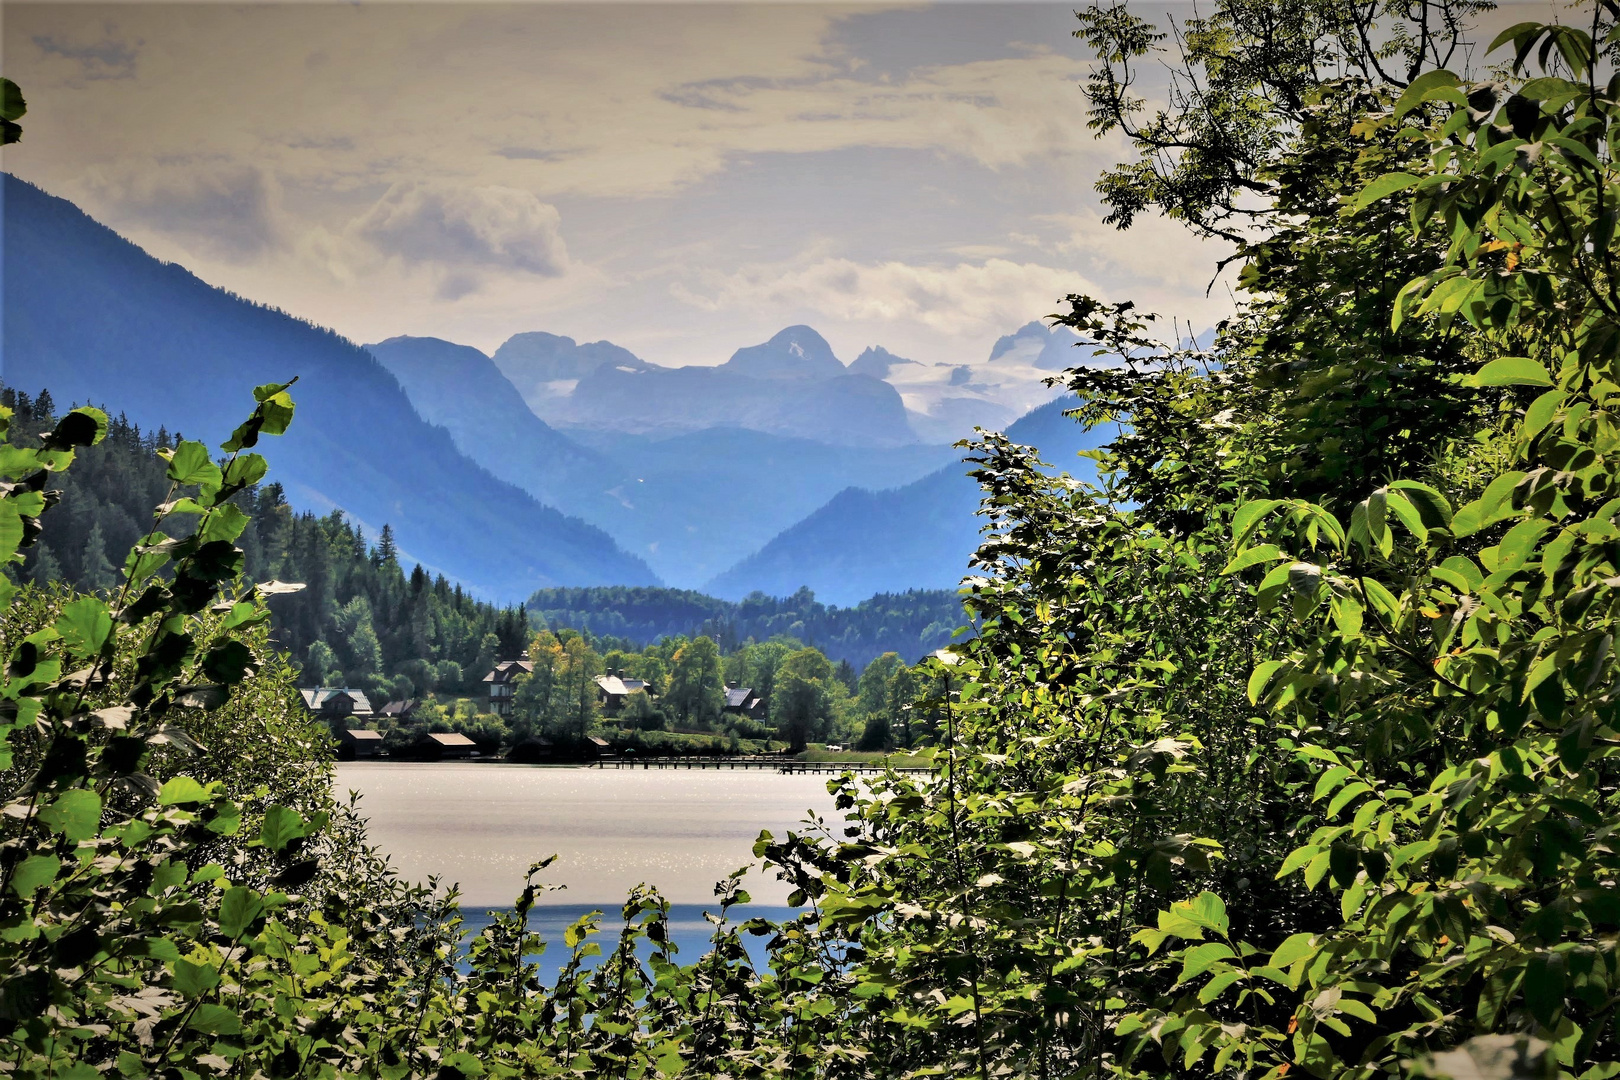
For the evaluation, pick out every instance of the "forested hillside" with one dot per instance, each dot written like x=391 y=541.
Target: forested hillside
x=93 y=318
x=362 y=620
x=912 y=624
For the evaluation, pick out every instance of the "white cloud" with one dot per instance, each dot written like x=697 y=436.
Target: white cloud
x=467 y=228
x=217 y=207
x=965 y=299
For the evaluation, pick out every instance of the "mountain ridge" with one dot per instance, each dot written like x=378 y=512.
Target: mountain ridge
x=95 y=318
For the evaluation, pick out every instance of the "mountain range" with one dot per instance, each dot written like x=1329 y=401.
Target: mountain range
x=549 y=462
x=918 y=536
x=93 y=318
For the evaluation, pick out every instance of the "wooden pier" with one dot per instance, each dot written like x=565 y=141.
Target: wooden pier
x=773 y=764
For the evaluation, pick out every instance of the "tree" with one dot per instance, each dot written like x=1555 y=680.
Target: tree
x=802 y=704
x=321 y=666
x=560 y=698
x=45 y=569
x=696 y=687
x=875 y=702
x=95 y=572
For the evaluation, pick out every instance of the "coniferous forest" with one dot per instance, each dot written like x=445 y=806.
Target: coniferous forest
x=1287 y=749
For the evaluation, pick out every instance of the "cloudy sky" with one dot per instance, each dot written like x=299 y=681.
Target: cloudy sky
x=679 y=178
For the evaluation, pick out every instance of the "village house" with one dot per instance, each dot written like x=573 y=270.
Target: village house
x=330 y=703
x=613 y=690
x=502 y=683
x=357 y=743
x=742 y=701
x=398 y=710
x=446 y=746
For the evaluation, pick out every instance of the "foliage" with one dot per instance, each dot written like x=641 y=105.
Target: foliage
x=912 y=623
x=1271 y=755
x=362 y=621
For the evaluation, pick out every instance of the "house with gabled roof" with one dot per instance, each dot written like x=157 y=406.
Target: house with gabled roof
x=330 y=702
x=742 y=701
x=613 y=690
x=502 y=683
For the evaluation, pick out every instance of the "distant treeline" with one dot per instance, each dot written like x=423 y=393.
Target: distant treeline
x=911 y=624
x=362 y=620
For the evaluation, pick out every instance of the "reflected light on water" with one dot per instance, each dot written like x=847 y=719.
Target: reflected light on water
x=482 y=824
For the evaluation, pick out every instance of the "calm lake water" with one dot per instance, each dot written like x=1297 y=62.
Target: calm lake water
x=482 y=825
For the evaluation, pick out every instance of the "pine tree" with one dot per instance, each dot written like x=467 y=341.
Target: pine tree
x=45 y=569
x=95 y=571
x=387 y=552
x=44 y=407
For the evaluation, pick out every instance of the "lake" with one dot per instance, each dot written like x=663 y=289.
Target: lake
x=482 y=824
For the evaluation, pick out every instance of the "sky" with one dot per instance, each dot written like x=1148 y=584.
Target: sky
x=681 y=179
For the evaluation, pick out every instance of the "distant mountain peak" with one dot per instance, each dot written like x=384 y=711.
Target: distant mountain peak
x=877 y=362
x=1030 y=332
x=797 y=352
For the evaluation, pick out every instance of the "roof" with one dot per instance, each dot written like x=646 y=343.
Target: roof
x=450 y=738
x=599 y=741
x=318 y=698
x=737 y=697
x=363 y=734
x=398 y=708
x=613 y=684
x=507 y=670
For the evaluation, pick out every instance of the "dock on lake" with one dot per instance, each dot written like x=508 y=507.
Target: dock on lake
x=775 y=764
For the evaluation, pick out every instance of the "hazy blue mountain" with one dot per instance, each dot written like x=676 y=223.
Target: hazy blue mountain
x=690 y=505
x=918 y=536
x=795 y=353
x=791 y=385
x=847 y=410
x=546 y=367
x=461 y=390
x=694 y=504
x=878 y=362
x=95 y=318
x=1050 y=348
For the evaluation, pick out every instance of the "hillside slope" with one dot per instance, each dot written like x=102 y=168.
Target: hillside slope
x=461 y=390
x=914 y=537
x=690 y=505
x=94 y=318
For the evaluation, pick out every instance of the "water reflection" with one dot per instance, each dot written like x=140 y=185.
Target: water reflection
x=689 y=931
x=482 y=825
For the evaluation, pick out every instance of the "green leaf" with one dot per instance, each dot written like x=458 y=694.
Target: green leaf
x=33 y=874
x=215 y=1020
x=277 y=410
x=12 y=105
x=1510 y=371
x=1209 y=910
x=1261 y=678
x=85 y=625
x=225 y=522
x=1383 y=188
x=281 y=827
x=194 y=980
x=75 y=813
x=1197 y=960
x=246 y=469
x=1432 y=506
x=1544 y=986
x=1416 y=90
x=237 y=910
x=1540 y=413
x=1297 y=947
x=182 y=790
x=190 y=463
x=1248 y=517
x=1253 y=557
